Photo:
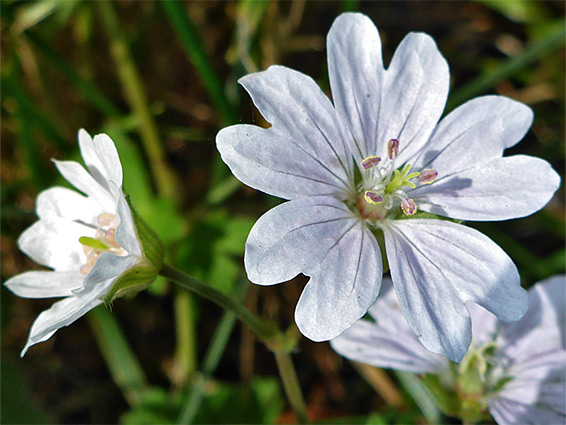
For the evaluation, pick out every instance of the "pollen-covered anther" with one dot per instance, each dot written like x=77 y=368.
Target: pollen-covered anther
x=408 y=206
x=393 y=148
x=370 y=162
x=372 y=197
x=427 y=176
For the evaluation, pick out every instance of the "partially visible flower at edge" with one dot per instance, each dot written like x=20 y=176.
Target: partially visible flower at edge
x=516 y=370
x=357 y=172
x=97 y=245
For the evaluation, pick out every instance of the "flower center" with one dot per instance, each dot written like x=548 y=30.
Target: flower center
x=384 y=187
x=104 y=241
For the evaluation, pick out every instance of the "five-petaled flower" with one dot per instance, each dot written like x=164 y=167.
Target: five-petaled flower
x=516 y=370
x=356 y=174
x=97 y=246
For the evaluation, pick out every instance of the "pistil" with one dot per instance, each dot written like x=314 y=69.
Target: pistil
x=104 y=241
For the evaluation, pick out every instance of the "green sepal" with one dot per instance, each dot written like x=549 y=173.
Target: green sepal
x=151 y=244
x=147 y=269
x=132 y=281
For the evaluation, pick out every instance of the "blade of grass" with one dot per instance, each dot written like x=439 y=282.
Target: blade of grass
x=131 y=81
x=193 y=46
x=211 y=359
x=122 y=362
x=89 y=90
x=35 y=163
x=35 y=117
x=512 y=66
x=421 y=395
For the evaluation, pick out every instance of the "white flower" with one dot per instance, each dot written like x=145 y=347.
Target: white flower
x=96 y=245
x=355 y=172
x=516 y=370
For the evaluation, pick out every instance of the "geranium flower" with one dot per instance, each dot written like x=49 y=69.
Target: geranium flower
x=98 y=248
x=356 y=173
x=516 y=370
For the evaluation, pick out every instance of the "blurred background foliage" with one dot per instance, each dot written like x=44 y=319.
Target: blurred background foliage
x=161 y=79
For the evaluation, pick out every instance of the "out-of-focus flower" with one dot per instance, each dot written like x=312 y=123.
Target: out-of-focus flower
x=516 y=370
x=98 y=247
x=356 y=173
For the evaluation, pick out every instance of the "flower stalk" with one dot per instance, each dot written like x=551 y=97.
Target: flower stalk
x=280 y=343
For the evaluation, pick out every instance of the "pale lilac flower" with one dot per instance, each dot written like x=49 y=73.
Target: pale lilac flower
x=516 y=370
x=357 y=170
x=91 y=242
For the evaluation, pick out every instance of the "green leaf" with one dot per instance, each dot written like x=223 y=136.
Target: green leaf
x=156 y=406
x=259 y=402
x=212 y=251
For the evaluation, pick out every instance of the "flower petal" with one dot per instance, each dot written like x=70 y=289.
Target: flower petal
x=109 y=159
x=300 y=112
x=536 y=394
x=66 y=203
x=355 y=69
x=108 y=266
x=436 y=267
x=414 y=93
x=54 y=242
x=45 y=284
x=294 y=237
x=343 y=286
x=501 y=189
x=476 y=132
x=389 y=342
x=75 y=174
x=126 y=234
x=61 y=314
x=92 y=160
x=280 y=167
x=542 y=327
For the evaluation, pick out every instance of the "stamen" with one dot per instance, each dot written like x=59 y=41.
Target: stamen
x=106 y=219
x=392 y=148
x=372 y=197
x=110 y=237
x=370 y=162
x=408 y=206
x=427 y=176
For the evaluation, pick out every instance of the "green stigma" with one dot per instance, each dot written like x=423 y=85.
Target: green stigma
x=401 y=178
x=92 y=243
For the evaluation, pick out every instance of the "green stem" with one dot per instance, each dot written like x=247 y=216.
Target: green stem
x=423 y=398
x=137 y=99
x=266 y=333
x=211 y=359
x=291 y=385
x=186 y=337
x=281 y=344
